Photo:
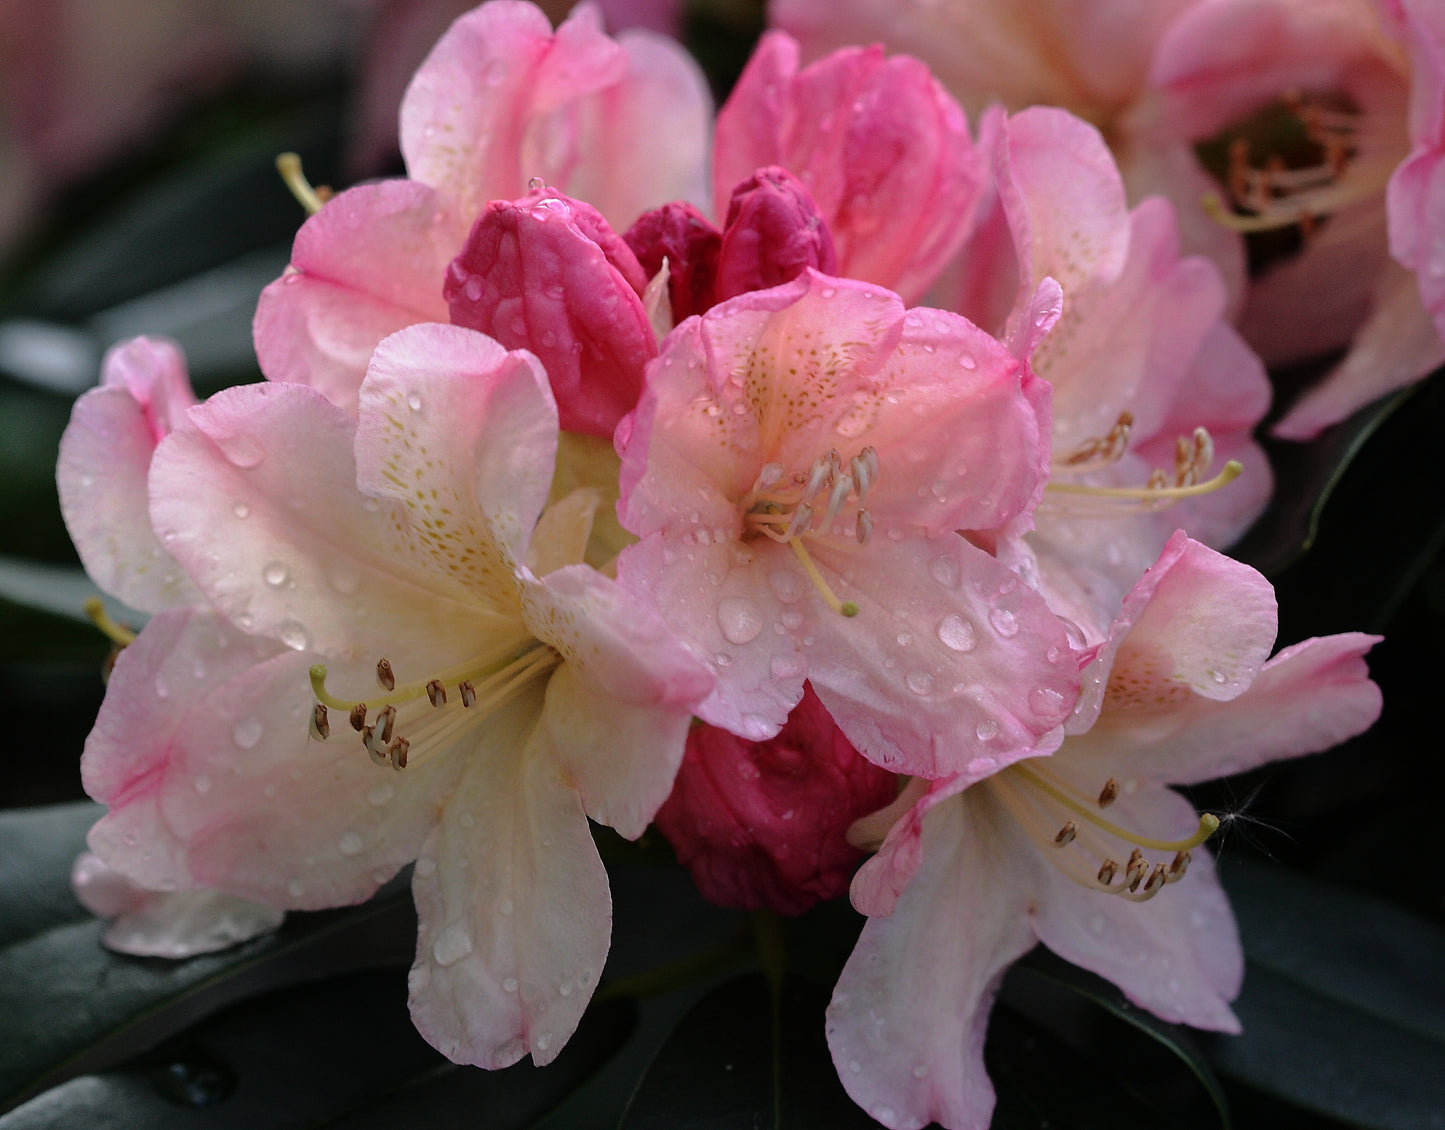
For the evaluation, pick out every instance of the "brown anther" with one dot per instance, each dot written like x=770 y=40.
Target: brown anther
x=1178 y=867
x=1135 y=871
x=384 y=675
x=468 y=693
x=864 y=527
x=386 y=720
x=1066 y=834
x=320 y=723
x=1108 y=871
x=1157 y=878
x=398 y=752
x=358 y=717
x=374 y=749
x=1158 y=480
x=1109 y=793
x=436 y=692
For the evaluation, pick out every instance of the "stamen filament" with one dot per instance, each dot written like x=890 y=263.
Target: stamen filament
x=1208 y=822
x=843 y=608
x=289 y=166
x=1227 y=475
x=118 y=634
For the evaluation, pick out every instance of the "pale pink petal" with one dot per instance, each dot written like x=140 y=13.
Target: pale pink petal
x=1178 y=954
x=450 y=407
x=1397 y=345
x=514 y=909
x=267 y=475
x=203 y=755
x=618 y=710
x=1417 y=225
x=369 y=263
x=1309 y=697
x=105 y=457
x=907 y=1021
x=170 y=924
x=884 y=150
x=563 y=531
x=951 y=663
x=547 y=274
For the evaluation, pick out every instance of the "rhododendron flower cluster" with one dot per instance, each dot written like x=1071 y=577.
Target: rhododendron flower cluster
x=709 y=521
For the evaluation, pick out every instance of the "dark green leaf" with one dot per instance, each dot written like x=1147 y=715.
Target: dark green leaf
x=1343 y=1004
x=340 y=1054
x=68 y=1006
x=1038 y=986
x=719 y=1068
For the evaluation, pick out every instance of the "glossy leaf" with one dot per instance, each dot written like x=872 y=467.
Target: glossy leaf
x=1343 y=1004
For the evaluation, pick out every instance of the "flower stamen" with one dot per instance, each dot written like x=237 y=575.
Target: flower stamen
x=312 y=199
x=117 y=633
x=842 y=607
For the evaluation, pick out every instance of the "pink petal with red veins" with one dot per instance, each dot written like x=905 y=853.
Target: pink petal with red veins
x=1177 y=955
x=547 y=274
x=1196 y=624
x=105 y=458
x=907 y=1021
x=512 y=939
x=372 y=261
x=884 y=150
x=1309 y=697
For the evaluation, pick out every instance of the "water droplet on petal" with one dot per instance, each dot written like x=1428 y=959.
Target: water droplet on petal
x=509 y=984
x=275 y=574
x=1004 y=622
x=350 y=844
x=248 y=731
x=739 y=620
x=986 y=730
x=241 y=510
x=203 y=784
x=413 y=401
x=426 y=866
x=293 y=635
x=451 y=945
x=162 y=687
x=1046 y=701
x=920 y=682
x=785 y=666
x=957 y=633
x=378 y=795
x=296 y=888
x=920 y=1070
x=944 y=570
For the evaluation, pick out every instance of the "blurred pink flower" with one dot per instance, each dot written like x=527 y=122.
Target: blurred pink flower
x=520 y=692
x=1072 y=850
x=763 y=824
x=797 y=468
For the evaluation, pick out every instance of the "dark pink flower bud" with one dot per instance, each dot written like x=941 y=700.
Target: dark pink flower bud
x=773 y=231
x=546 y=273
x=763 y=824
x=689 y=242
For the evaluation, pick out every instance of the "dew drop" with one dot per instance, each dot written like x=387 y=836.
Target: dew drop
x=275 y=574
x=944 y=570
x=378 y=795
x=792 y=619
x=293 y=635
x=349 y=844
x=163 y=689
x=296 y=888
x=344 y=576
x=967 y=361
x=203 y=784
x=919 y=682
x=905 y=638
x=543 y=1042
x=1046 y=701
x=920 y=1070
x=1096 y=924
x=241 y=510
x=785 y=666
x=247 y=731
x=243 y=451
x=957 y=633
x=413 y=401
x=1217 y=676
x=1004 y=622
x=509 y=984
x=426 y=866
x=986 y=730
x=739 y=620
x=451 y=945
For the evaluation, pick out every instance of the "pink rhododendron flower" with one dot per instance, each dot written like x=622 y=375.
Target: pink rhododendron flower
x=173 y=924
x=796 y=468
x=500 y=100
x=1140 y=359
x=763 y=824
x=1087 y=850
x=520 y=692
x=882 y=148
x=1322 y=85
